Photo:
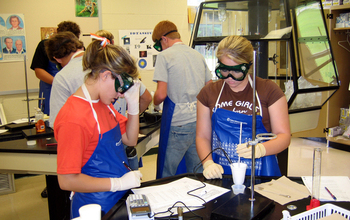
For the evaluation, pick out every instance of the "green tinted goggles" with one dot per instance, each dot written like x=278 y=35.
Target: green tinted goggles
x=123 y=82
x=157 y=45
x=223 y=72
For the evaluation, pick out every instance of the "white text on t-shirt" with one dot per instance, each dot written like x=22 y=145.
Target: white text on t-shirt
x=245 y=104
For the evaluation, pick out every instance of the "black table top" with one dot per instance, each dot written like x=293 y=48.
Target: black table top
x=15 y=141
x=227 y=201
x=42 y=146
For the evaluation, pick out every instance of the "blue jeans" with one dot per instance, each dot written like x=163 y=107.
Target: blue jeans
x=181 y=144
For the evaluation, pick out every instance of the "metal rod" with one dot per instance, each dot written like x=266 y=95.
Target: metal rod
x=27 y=93
x=252 y=173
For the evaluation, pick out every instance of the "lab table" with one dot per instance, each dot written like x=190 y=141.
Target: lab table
x=222 y=206
x=16 y=156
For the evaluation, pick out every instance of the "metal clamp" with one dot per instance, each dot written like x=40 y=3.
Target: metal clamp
x=262 y=137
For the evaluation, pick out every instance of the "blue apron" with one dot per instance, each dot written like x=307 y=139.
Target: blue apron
x=231 y=128
x=165 y=124
x=45 y=89
x=105 y=162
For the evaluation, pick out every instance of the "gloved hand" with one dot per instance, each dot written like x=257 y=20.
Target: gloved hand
x=157 y=108
x=246 y=152
x=212 y=170
x=132 y=97
x=130 y=180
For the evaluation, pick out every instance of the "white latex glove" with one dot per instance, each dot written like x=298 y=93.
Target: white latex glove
x=246 y=152
x=212 y=170
x=130 y=180
x=132 y=97
x=157 y=108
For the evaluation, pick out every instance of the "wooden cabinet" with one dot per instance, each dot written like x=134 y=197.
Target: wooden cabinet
x=330 y=113
x=339 y=38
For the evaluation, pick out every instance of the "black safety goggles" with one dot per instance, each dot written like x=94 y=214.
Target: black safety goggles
x=223 y=71
x=123 y=82
x=157 y=45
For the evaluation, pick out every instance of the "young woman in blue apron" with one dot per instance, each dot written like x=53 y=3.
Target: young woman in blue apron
x=89 y=123
x=225 y=121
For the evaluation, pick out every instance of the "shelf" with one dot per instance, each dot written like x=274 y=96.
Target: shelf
x=339 y=142
x=339 y=139
x=340 y=7
x=341 y=29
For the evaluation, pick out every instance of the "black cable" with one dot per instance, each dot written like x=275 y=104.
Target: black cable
x=174 y=206
x=200 y=163
x=189 y=192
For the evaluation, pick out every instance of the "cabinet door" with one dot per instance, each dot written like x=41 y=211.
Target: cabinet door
x=339 y=38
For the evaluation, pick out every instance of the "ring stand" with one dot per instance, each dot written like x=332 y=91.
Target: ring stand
x=28 y=124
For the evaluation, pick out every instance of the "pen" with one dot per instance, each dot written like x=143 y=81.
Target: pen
x=335 y=198
x=127 y=167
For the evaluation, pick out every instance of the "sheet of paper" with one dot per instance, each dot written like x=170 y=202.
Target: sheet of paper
x=21 y=120
x=282 y=190
x=164 y=196
x=339 y=186
x=3 y=131
x=141 y=135
x=276 y=34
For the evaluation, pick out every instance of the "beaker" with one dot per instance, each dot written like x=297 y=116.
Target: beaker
x=316 y=174
x=316 y=179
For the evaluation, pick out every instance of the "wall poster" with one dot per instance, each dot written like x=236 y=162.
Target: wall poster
x=12 y=36
x=86 y=8
x=47 y=32
x=139 y=44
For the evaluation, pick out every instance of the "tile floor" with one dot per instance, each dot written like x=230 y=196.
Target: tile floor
x=26 y=203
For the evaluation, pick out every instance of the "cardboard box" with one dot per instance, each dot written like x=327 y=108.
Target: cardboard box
x=344 y=120
x=343 y=20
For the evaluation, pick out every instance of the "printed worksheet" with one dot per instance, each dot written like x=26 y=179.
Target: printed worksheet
x=338 y=186
x=162 y=197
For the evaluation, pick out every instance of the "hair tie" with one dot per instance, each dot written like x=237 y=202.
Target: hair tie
x=104 y=40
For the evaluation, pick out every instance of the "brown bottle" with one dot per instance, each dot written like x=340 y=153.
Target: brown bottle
x=40 y=126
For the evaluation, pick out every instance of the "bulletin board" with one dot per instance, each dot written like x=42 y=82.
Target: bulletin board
x=12 y=35
x=35 y=14
x=139 y=44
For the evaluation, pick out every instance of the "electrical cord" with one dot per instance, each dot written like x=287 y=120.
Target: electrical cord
x=174 y=206
x=218 y=148
x=195 y=169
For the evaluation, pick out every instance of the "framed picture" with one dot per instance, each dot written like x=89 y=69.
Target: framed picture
x=3 y=120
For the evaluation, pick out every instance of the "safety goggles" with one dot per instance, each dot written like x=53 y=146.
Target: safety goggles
x=123 y=82
x=157 y=45
x=223 y=72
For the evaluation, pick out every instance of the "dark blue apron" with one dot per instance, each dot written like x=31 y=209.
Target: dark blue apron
x=105 y=162
x=45 y=89
x=231 y=128
x=167 y=115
